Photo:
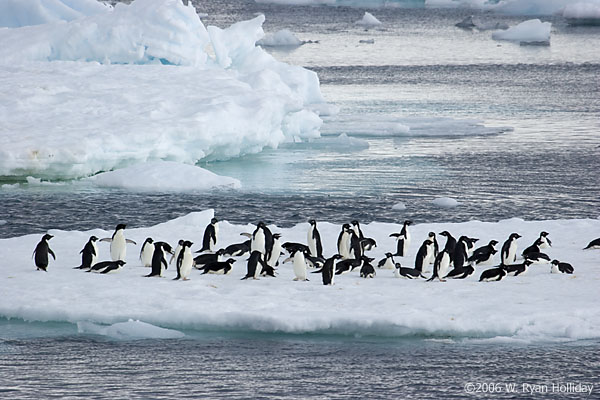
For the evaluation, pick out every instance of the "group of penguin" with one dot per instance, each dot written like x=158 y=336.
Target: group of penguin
x=265 y=249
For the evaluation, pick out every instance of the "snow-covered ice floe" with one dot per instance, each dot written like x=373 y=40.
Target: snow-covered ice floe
x=129 y=330
x=532 y=31
x=16 y=13
x=537 y=306
x=143 y=81
x=281 y=38
x=583 y=13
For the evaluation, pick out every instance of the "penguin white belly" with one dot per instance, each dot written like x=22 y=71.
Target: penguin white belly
x=95 y=255
x=444 y=266
x=275 y=253
x=429 y=258
x=258 y=242
x=397 y=273
x=389 y=264
x=554 y=269
x=186 y=264
x=299 y=266
x=118 y=247
x=406 y=242
x=512 y=254
x=344 y=247
x=147 y=254
x=312 y=244
x=175 y=254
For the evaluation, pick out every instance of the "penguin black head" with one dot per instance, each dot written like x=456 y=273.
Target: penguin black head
x=408 y=222
x=555 y=262
x=93 y=238
x=398 y=265
x=432 y=234
x=214 y=221
x=120 y=263
x=493 y=243
x=355 y=223
x=312 y=222
x=220 y=252
x=149 y=240
x=336 y=256
x=445 y=233
x=514 y=236
x=166 y=247
x=47 y=237
x=544 y=234
x=120 y=226
x=276 y=235
x=388 y=255
x=187 y=243
x=427 y=242
x=260 y=225
x=180 y=242
x=346 y=227
x=230 y=261
x=527 y=262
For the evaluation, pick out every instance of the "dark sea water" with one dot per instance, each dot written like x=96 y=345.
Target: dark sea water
x=420 y=66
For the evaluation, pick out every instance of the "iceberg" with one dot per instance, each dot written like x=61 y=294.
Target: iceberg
x=17 y=13
x=368 y=20
x=281 y=38
x=584 y=13
x=142 y=82
x=532 y=31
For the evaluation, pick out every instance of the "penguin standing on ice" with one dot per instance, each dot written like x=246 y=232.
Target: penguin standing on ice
x=508 y=255
x=367 y=270
x=89 y=254
x=545 y=240
x=402 y=239
x=175 y=254
x=450 y=243
x=424 y=254
x=357 y=230
x=146 y=252
x=41 y=253
x=387 y=262
x=159 y=258
x=441 y=266
x=314 y=240
x=185 y=260
x=484 y=254
x=328 y=270
x=262 y=240
x=211 y=234
x=118 y=243
x=460 y=252
x=299 y=266
x=436 y=247
x=255 y=265
x=273 y=260
x=343 y=242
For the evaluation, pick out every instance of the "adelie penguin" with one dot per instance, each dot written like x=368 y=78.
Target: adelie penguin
x=441 y=266
x=175 y=254
x=118 y=243
x=211 y=234
x=534 y=248
x=492 y=274
x=106 y=267
x=484 y=254
x=255 y=265
x=350 y=265
x=218 y=267
x=517 y=269
x=408 y=273
x=367 y=270
x=203 y=259
x=299 y=265
x=41 y=252
x=237 y=249
x=314 y=240
x=159 y=258
x=460 y=273
x=328 y=270
x=558 y=267
x=146 y=252
x=262 y=240
x=273 y=260
x=387 y=262
x=89 y=254
x=343 y=242
x=185 y=260
x=357 y=230
x=461 y=251
x=545 y=240
x=436 y=247
x=450 y=243
x=424 y=255
x=594 y=244
x=402 y=239
x=508 y=255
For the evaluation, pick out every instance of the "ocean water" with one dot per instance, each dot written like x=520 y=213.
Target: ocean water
x=419 y=66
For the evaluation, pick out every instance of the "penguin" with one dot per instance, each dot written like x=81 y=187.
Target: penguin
x=367 y=270
x=255 y=264
x=299 y=266
x=89 y=254
x=470 y=242
x=314 y=240
x=185 y=260
x=328 y=270
x=41 y=252
x=159 y=258
x=508 y=255
x=106 y=265
x=357 y=230
x=146 y=252
x=561 y=267
x=537 y=258
x=387 y=262
x=219 y=267
x=441 y=266
x=408 y=273
x=203 y=259
x=436 y=248
x=291 y=247
x=594 y=244
x=343 y=242
x=460 y=252
x=237 y=249
x=484 y=254
x=262 y=240
x=273 y=259
x=492 y=274
x=118 y=243
x=356 y=249
x=314 y=262
x=211 y=234
x=348 y=265
x=424 y=254
x=450 y=243
x=175 y=254
x=367 y=244
x=546 y=242
x=461 y=273
x=517 y=269
x=402 y=239
x=534 y=248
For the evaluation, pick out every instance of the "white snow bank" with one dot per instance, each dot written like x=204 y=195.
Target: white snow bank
x=388 y=125
x=129 y=330
x=531 y=31
x=550 y=306
x=95 y=108
x=16 y=13
x=164 y=176
x=368 y=20
x=583 y=13
x=284 y=37
x=445 y=202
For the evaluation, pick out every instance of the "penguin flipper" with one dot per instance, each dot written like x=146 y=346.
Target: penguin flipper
x=130 y=241
x=105 y=240
x=51 y=253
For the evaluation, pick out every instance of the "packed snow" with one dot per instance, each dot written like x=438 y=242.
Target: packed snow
x=164 y=176
x=144 y=82
x=536 y=306
x=281 y=38
x=530 y=31
x=583 y=13
x=368 y=20
x=16 y=13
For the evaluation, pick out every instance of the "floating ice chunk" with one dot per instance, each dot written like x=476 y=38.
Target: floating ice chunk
x=368 y=20
x=584 y=13
x=284 y=37
x=3 y=222
x=532 y=31
x=528 y=7
x=466 y=23
x=445 y=202
x=129 y=330
x=399 y=206
x=342 y=143
x=17 y=13
x=167 y=176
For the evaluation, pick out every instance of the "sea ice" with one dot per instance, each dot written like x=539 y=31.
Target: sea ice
x=284 y=37
x=445 y=202
x=16 y=13
x=531 y=31
x=129 y=330
x=368 y=20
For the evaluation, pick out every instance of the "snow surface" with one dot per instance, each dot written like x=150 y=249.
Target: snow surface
x=537 y=306
x=146 y=81
x=445 y=202
x=283 y=38
x=530 y=31
x=368 y=20
x=164 y=176
x=16 y=13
